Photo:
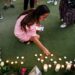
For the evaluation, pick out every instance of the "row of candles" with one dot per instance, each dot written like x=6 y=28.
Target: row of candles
x=68 y=64
x=2 y=63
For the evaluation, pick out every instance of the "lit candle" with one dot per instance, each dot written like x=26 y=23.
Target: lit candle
x=51 y=59
x=65 y=57
x=68 y=67
x=42 y=60
x=71 y=62
x=46 y=57
x=2 y=63
x=22 y=57
x=38 y=59
x=49 y=65
x=35 y=55
x=55 y=62
x=12 y=62
x=62 y=66
x=60 y=59
x=17 y=57
x=57 y=68
x=40 y=54
x=52 y=55
x=16 y=62
x=7 y=61
x=22 y=62
x=45 y=67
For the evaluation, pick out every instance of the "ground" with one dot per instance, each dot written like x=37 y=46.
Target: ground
x=61 y=42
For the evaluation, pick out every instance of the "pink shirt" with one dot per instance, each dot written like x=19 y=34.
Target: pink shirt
x=22 y=35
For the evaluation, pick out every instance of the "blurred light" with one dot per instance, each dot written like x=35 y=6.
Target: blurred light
x=52 y=55
x=38 y=59
x=45 y=67
x=57 y=68
x=35 y=55
x=2 y=63
x=22 y=62
x=17 y=57
x=50 y=65
x=22 y=57
x=40 y=54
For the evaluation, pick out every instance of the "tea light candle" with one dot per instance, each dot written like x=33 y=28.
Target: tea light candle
x=2 y=63
x=35 y=55
x=49 y=65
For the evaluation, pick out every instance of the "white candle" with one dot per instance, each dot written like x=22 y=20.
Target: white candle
x=38 y=59
x=2 y=63
x=42 y=60
x=17 y=57
x=51 y=59
x=68 y=66
x=52 y=55
x=22 y=57
x=7 y=61
x=22 y=62
x=40 y=54
x=60 y=59
x=49 y=65
x=45 y=67
x=55 y=62
x=46 y=57
x=16 y=62
x=12 y=62
x=35 y=55
x=65 y=57
x=62 y=66
x=57 y=68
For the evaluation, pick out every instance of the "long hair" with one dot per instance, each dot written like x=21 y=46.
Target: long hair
x=33 y=16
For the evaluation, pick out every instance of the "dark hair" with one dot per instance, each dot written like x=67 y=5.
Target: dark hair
x=33 y=16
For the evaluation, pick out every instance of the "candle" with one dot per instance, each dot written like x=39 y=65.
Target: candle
x=17 y=57
x=51 y=59
x=55 y=62
x=42 y=60
x=68 y=67
x=40 y=54
x=7 y=61
x=49 y=65
x=35 y=55
x=62 y=66
x=45 y=67
x=38 y=59
x=16 y=62
x=52 y=55
x=22 y=62
x=22 y=57
x=65 y=57
x=60 y=59
x=57 y=68
x=12 y=62
x=46 y=57
x=2 y=63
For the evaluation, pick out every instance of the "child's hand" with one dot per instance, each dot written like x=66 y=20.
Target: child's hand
x=47 y=52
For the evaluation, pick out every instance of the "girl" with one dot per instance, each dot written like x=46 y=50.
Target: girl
x=25 y=28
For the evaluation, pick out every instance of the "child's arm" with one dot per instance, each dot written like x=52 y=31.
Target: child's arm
x=40 y=45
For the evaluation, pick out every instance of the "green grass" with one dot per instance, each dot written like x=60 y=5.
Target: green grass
x=59 y=41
